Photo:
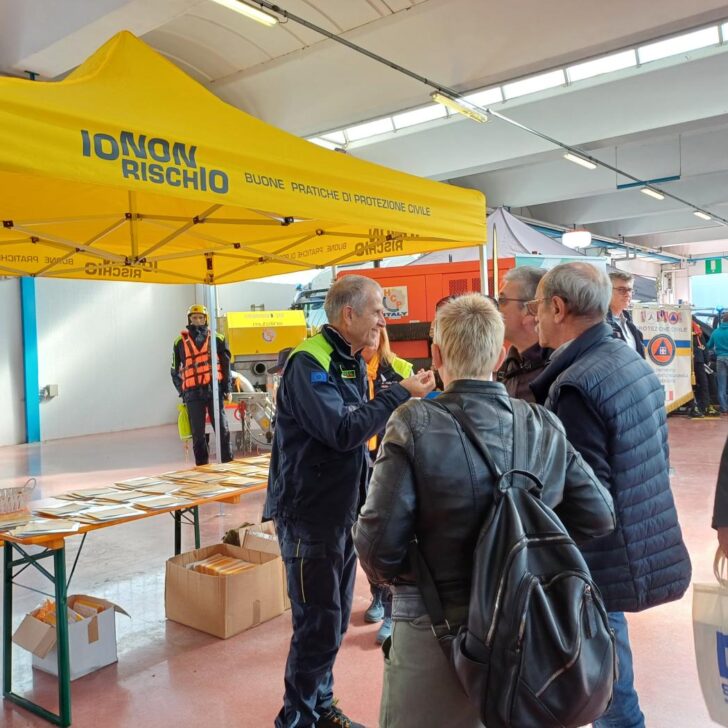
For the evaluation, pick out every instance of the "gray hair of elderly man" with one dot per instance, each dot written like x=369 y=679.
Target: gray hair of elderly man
x=351 y=291
x=527 y=278
x=469 y=331
x=586 y=289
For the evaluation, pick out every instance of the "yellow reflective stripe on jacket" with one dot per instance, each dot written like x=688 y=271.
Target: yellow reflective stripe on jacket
x=318 y=348
x=402 y=367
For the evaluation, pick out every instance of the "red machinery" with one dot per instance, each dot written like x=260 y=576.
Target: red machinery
x=410 y=295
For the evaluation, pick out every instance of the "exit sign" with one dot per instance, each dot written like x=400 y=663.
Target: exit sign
x=713 y=265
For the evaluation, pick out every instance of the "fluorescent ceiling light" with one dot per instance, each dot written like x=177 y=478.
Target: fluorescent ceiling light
x=459 y=107
x=368 y=129
x=580 y=160
x=652 y=193
x=576 y=239
x=534 y=83
x=680 y=44
x=485 y=98
x=325 y=143
x=607 y=64
x=248 y=11
x=419 y=116
x=702 y=215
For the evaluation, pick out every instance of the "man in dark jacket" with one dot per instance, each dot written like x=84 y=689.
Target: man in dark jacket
x=191 y=375
x=613 y=409
x=526 y=358
x=431 y=482
x=316 y=485
x=617 y=315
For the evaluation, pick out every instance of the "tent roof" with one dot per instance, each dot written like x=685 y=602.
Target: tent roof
x=129 y=169
x=516 y=237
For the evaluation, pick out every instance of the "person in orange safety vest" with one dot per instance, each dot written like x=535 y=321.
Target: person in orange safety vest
x=192 y=377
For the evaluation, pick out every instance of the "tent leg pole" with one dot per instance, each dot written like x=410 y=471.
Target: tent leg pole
x=483 y=254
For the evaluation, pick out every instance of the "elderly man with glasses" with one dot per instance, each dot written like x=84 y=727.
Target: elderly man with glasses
x=526 y=358
x=612 y=406
x=618 y=317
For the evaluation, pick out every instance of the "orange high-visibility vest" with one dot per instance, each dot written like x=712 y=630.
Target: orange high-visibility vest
x=197 y=366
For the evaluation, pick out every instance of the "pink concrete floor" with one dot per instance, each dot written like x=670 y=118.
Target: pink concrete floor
x=171 y=675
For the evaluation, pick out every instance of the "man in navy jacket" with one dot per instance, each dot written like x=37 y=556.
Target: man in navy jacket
x=317 y=483
x=613 y=409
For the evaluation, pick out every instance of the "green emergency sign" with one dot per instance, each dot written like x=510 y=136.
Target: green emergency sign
x=713 y=265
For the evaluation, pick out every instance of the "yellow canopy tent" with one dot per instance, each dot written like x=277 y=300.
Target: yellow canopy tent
x=130 y=170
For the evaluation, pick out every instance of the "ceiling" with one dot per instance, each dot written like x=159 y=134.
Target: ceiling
x=666 y=119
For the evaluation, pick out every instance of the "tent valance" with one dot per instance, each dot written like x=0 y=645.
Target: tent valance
x=130 y=170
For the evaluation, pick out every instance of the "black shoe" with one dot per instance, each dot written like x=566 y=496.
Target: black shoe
x=696 y=412
x=335 y=718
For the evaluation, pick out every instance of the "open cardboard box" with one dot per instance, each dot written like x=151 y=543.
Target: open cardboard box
x=224 y=605
x=91 y=641
x=262 y=537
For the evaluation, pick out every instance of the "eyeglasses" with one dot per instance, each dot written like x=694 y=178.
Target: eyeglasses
x=506 y=299
x=532 y=306
x=623 y=290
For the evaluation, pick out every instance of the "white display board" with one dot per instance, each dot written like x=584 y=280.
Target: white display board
x=668 y=348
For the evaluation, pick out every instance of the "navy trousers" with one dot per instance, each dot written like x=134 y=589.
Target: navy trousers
x=196 y=410
x=320 y=567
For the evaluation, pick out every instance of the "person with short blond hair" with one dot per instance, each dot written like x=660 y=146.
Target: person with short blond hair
x=431 y=483
x=470 y=329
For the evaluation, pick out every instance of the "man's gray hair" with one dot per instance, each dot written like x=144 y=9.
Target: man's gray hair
x=527 y=278
x=586 y=289
x=469 y=331
x=351 y=291
x=621 y=275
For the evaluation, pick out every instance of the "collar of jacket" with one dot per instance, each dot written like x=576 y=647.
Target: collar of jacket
x=611 y=317
x=535 y=354
x=476 y=386
x=340 y=344
x=576 y=349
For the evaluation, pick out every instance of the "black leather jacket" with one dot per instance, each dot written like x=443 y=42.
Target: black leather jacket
x=430 y=482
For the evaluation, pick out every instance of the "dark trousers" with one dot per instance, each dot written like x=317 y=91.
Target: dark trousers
x=320 y=568
x=196 y=410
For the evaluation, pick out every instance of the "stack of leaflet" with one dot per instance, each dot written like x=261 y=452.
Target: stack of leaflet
x=87 y=493
x=195 y=476
x=218 y=467
x=147 y=485
x=220 y=565
x=43 y=527
x=69 y=509
x=159 y=502
x=102 y=514
x=13 y=520
x=242 y=481
x=118 y=496
x=196 y=491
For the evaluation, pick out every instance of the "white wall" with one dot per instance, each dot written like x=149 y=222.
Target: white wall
x=240 y=296
x=108 y=347
x=12 y=421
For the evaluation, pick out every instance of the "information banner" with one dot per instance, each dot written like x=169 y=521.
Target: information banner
x=668 y=349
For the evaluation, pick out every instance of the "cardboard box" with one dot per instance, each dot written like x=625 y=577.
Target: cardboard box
x=224 y=605
x=91 y=641
x=262 y=537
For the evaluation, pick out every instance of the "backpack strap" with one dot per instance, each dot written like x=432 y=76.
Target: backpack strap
x=425 y=582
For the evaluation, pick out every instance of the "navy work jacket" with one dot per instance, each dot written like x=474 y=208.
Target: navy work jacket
x=318 y=466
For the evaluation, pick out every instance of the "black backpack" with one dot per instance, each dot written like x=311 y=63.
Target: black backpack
x=537 y=650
